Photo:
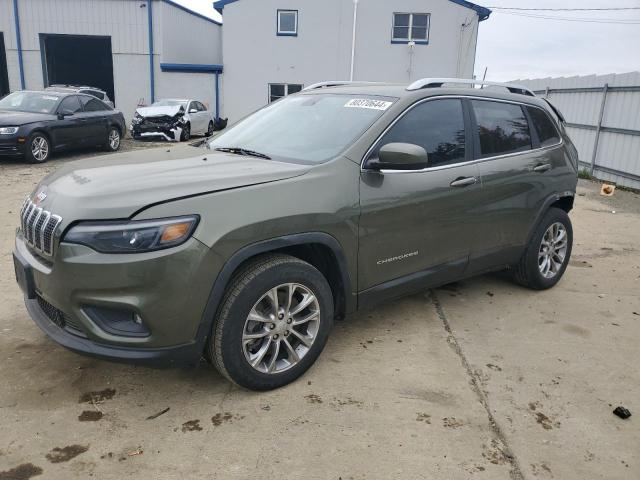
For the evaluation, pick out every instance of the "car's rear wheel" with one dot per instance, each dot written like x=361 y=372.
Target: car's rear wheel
x=186 y=132
x=113 y=140
x=272 y=323
x=547 y=256
x=38 y=148
x=210 y=129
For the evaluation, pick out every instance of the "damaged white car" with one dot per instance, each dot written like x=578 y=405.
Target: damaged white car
x=172 y=119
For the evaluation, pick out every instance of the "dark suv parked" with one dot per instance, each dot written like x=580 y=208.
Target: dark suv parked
x=246 y=248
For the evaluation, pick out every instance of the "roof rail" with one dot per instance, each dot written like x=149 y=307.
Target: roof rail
x=438 y=82
x=337 y=83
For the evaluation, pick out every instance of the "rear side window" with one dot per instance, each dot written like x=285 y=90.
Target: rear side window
x=502 y=128
x=92 y=104
x=95 y=93
x=435 y=125
x=70 y=104
x=546 y=130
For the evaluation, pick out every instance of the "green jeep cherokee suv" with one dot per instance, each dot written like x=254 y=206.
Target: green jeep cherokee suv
x=244 y=249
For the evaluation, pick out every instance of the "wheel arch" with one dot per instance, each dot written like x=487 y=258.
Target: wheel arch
x=561 y=200
x=319 y=249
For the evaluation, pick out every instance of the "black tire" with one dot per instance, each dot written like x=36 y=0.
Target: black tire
x=113 y=146
x=527 y=271
x=209 y=129
x=31 y=150
x=186 y=132
x=224 y=346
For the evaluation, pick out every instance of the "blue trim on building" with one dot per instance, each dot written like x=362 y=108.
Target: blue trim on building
x=190 y=67
x=218 y=94
x=16 y=16
x=483 y=12
x=185 y=9
x=152 y=83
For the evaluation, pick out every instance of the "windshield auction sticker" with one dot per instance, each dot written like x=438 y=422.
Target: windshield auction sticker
x=368 y=103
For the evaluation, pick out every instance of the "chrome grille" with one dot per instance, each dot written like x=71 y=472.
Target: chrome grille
x=38 y=226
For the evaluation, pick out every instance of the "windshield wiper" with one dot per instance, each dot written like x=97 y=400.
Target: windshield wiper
x=242 y=151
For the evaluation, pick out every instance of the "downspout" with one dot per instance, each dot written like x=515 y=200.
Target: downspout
x=151 y=72
x=217 y=95
x=353 y=37
x=18 y=42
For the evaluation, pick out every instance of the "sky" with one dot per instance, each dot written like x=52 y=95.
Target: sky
x=517 y=47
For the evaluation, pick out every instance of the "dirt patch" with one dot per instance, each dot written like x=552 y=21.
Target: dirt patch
x=452 y=422
x=21 y=472
x=545 y=421
x=313 y=398
x=226 y=417
x=90 y=416
x=576 y=330
x=191 y=426
x=423 y=417
x=99 y=396
x=64 y=454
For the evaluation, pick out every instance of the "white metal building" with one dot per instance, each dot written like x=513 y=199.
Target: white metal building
x=275 y=47
x=136 y=50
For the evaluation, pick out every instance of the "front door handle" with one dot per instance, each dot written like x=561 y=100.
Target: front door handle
x=542 y=167
x=463 y=181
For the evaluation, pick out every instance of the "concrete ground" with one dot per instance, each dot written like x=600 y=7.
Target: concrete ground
x=480 y=379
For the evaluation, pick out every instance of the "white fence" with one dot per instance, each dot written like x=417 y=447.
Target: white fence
x=603 y=121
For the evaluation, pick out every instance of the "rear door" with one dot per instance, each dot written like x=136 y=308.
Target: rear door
x=196 y=117
x=517 y=172
x=416 y=227
x=95 y=115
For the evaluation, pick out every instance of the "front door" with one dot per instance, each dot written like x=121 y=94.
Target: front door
x=71 y=129
x=416 y=227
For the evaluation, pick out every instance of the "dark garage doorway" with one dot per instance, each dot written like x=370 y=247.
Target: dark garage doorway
x=77 y=60
x=4 y=74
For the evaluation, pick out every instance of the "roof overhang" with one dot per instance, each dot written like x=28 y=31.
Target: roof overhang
x=483 y=12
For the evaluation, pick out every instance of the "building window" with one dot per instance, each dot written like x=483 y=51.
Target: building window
x=410 y=27
x=279 y=90
x=288 y=23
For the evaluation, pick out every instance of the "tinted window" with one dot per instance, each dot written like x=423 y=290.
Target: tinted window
x=201 y=107
x=502 y=127
x=437 y=126
x=546 y=130
x=70 y=105
x=92 y=104
x=95 y=93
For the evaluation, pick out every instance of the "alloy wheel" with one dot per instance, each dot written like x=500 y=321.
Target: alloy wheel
x=40 y=148
x=553 y=250
x=114 y=139
x=281 y=328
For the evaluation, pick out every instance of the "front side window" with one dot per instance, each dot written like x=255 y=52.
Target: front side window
x=279 y=90
x=435 y=125
x=410 y=27
x=546 y=130
x=502 y=128
x=307 y=128
x=288 y=23
x=70 y=104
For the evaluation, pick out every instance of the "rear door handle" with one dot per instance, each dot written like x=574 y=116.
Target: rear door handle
x=463 y=181
x=543 y=167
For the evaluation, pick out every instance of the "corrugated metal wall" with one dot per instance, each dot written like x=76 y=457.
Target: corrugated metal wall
x=580 y=99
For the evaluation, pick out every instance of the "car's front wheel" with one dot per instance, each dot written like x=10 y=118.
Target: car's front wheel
x=272 y=324
x=547 y=255
x=38 y=148
x=186 y=132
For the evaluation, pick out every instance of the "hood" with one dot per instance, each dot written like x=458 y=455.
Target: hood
x=160 y=111
x=15 y=118
x=120 y=185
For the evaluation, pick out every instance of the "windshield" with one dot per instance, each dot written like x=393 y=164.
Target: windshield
x=308 y=128
x=34 y=102
x=170 y=103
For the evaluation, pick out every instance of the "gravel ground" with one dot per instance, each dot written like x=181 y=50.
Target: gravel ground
x=478 y=379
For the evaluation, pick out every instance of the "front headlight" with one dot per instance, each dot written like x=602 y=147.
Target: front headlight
x=134 y=236
x=8 y=130
x=137 y=118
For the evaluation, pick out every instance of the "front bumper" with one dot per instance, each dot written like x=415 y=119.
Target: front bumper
x=168 y=289
x=167 y=132
x=10 y=146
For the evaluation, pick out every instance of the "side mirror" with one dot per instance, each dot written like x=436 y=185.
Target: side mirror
x=193 y=110
x=400 y=156
x=64 y=113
